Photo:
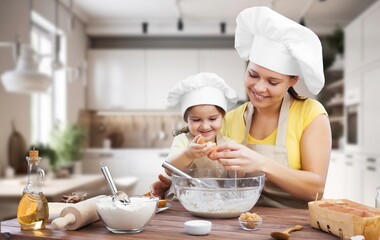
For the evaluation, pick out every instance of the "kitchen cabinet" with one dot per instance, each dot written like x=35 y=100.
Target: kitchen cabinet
x=141 y=79
x=353 y=177
x=165 y=68
x=116 y=79
x=362 y=68
x=353 y=46
x=335 y=182
x=362 y=39
x=371 y=34
x=228 y=65
x=371 y=113
x=144 y=164
x=345 y=177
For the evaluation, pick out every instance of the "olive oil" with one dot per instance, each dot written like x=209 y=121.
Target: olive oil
x=33 y=210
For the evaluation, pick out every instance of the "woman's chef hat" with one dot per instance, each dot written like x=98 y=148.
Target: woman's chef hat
x=202 y=88
x=273 y=41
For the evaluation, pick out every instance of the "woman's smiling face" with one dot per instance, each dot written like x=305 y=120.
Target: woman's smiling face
x=266 y=87
x=205 y=120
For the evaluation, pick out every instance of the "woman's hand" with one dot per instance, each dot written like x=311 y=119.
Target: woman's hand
x=197 y=148
x=234 y=156
x=159 y=188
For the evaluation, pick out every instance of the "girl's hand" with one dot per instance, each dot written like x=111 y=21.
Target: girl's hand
x=159 y=188
x=234 y=156
x=197 y=148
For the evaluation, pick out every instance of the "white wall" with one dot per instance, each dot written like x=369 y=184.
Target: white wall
x=14 y=19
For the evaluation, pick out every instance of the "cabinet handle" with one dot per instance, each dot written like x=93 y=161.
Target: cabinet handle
x=348 y=163
x=372 y=160
x=349 y=156
x=163 y=155
x=105 y=155
x=371 y=168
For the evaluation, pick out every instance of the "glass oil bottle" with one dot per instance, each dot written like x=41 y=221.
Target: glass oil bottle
x=33 y=211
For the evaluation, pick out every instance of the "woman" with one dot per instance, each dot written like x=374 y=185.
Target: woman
x=283 y=135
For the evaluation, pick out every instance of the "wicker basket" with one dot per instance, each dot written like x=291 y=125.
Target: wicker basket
x=345 y=218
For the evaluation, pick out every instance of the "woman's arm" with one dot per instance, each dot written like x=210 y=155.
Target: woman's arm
x=315 y=147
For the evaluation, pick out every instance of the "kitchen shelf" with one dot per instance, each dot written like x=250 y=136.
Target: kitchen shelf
x=335 y=102
x=336 y=119
x=336 y=86
x=333 y=99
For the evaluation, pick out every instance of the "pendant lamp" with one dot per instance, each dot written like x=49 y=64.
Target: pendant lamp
x=25 y=78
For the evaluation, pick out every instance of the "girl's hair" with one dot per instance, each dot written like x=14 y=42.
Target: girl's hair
x=185 y=129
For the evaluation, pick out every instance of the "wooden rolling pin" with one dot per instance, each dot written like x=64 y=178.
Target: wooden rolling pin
x=77 y=215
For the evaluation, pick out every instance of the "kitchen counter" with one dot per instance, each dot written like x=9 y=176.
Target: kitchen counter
x=53 y=188
x=169 y=224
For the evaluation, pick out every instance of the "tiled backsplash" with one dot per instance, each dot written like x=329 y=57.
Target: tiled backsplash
x=131 y=130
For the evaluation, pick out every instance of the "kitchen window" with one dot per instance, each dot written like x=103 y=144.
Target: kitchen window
x=49 y=108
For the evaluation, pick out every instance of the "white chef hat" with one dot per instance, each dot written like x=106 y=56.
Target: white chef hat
x=202 y=88
x=273 y=41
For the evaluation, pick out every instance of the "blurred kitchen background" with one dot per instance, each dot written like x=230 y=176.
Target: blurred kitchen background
x=104 y=69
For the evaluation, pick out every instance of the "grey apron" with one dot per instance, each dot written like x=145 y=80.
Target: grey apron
x=273 y=196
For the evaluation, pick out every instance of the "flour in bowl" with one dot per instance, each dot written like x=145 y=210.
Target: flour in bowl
x=132 y=217
x=218 y=203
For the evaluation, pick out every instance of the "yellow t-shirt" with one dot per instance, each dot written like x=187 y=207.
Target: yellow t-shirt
x=301 y=114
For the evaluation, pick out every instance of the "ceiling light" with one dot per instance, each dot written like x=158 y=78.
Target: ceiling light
x=222 y=27
x=180 y=24
x=145 y=27
x=25 y=78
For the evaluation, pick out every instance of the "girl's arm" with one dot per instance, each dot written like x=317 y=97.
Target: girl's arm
x=184 y=158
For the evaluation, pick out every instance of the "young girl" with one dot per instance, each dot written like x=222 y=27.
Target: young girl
x=203 y=99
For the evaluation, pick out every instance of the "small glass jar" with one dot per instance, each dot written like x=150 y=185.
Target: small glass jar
x=377 y=201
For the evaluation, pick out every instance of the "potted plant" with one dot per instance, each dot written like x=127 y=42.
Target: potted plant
x=67 y=143
x=47 y=153
x=336 y=41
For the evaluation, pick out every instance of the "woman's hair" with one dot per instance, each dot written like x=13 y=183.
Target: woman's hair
x=294 y=93
x=185 y=129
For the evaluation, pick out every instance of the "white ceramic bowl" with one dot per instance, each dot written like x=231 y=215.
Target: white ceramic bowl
x=226 y=198
x=198 y=227
x=126 y=218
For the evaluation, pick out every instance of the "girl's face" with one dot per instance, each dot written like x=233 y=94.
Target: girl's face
x=206 y=120
x=265 y=87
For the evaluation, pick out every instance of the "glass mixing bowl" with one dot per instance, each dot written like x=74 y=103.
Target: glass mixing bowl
x=130 y=217
x=218 y=196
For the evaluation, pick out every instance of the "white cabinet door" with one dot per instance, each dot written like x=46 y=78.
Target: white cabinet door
x=353 y=177
x=335 y=186
x=371 y=34
x=116 y=79
x=165 y=68
x=371 y=113
x=227 y=64
x=353 y=46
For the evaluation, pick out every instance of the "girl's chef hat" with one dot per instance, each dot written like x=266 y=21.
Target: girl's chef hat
x=202 y=88
x=273 y=41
